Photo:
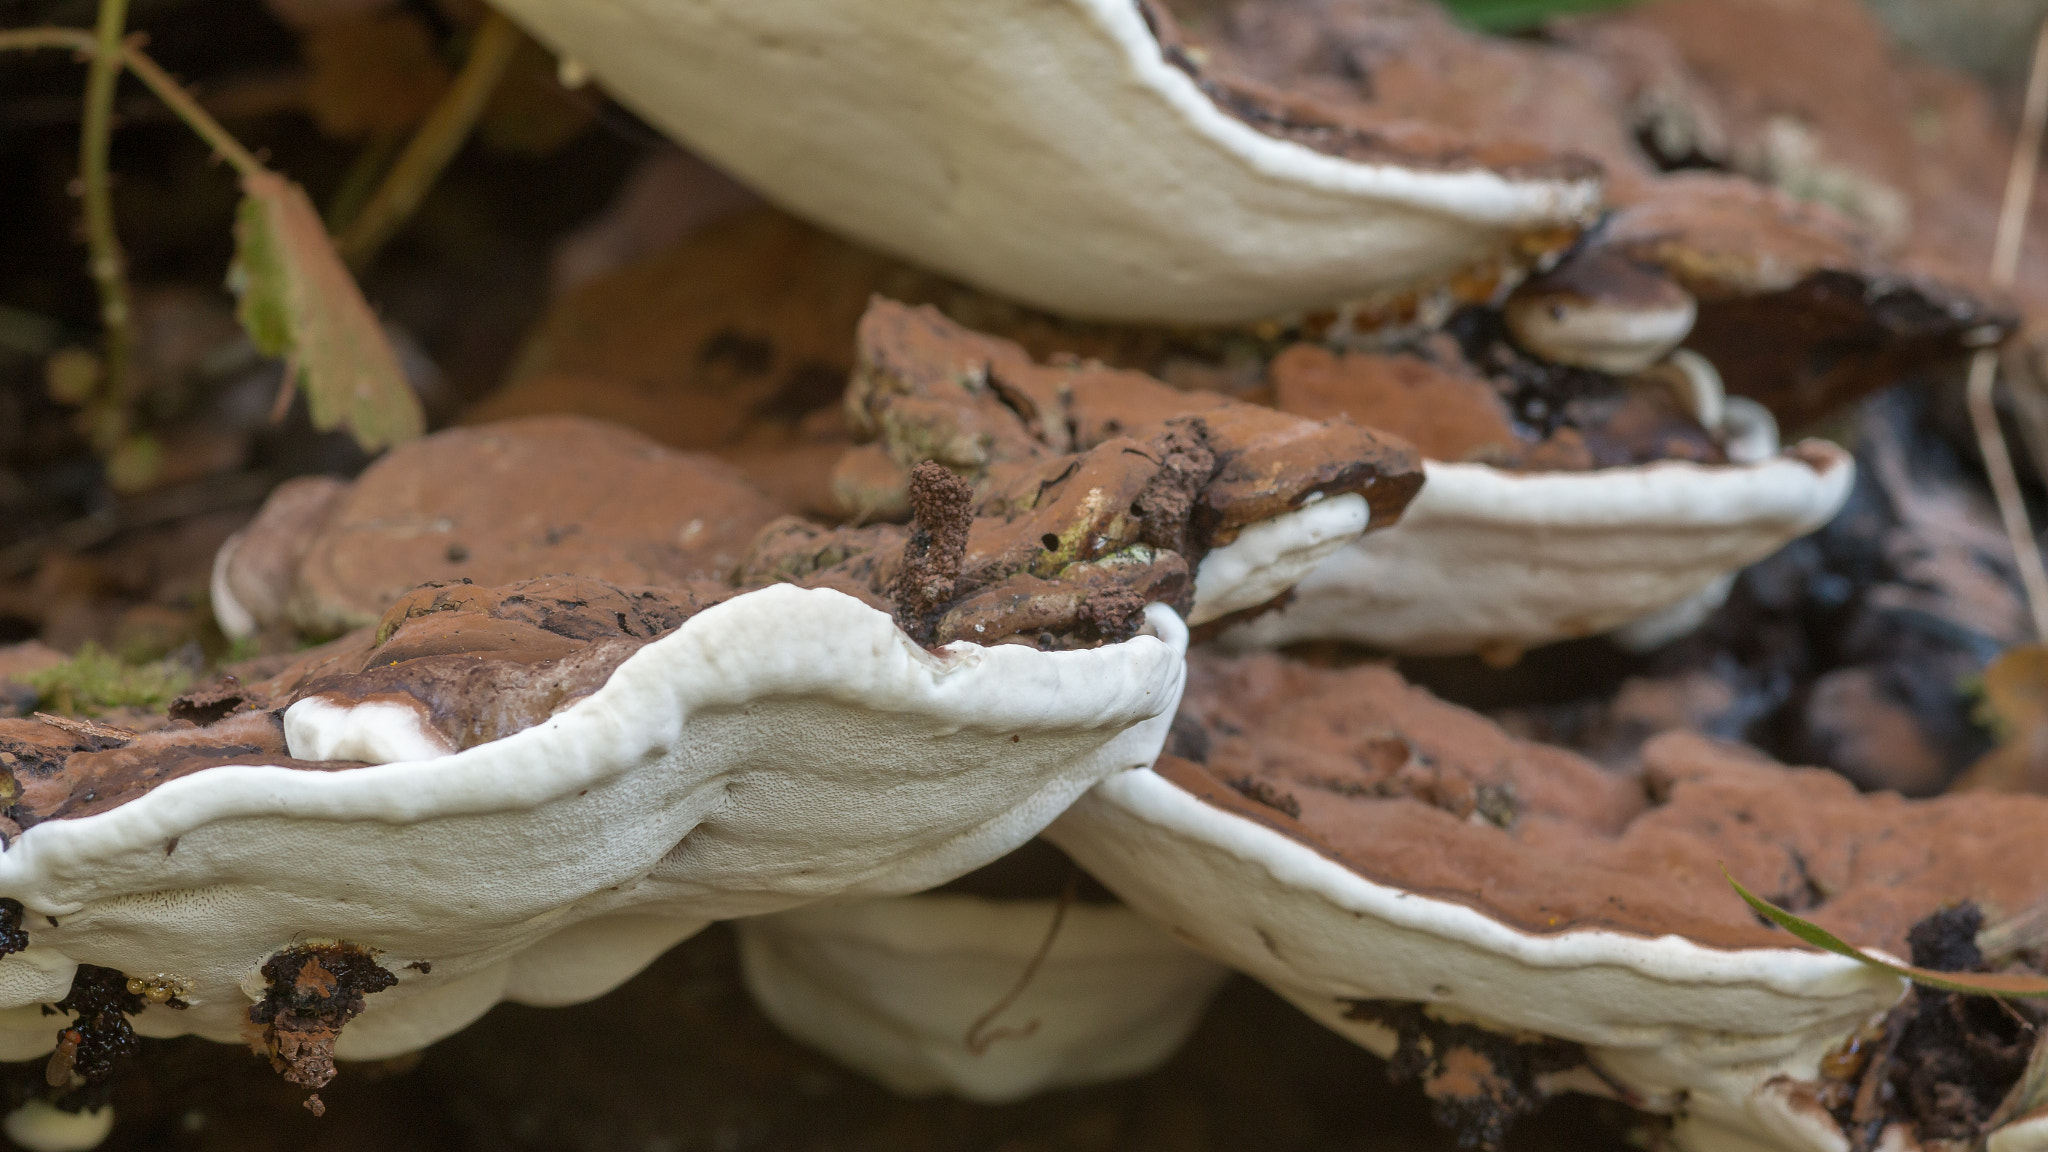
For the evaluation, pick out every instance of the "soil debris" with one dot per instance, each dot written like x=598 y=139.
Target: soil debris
x=1940 y=1063
x=1479 y=1082
x=99 y=1033
x=310 y=993
x=940 y=514
x=13 y=937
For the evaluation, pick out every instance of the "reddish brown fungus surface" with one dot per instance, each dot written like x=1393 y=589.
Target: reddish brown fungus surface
x=1412 y=792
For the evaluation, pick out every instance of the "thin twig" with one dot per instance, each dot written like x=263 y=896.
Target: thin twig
x=2005 y=486
x=979 y=1035
x=104 y=259
x=198 y=119
x=2019 y=176
x=152 y=75
x=21 y=39
x=434 y=145
x=2005 y=257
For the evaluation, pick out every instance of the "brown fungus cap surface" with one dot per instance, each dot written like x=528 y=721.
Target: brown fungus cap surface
x=928 y=388
x=1241 y=60
x=1795 y=308
x=62 y=769
x=482 y=663
x=1418 y=794
x=523 y=499
x=1524 y=415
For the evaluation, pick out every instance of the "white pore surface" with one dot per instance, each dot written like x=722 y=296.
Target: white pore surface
x=784 y=746
x=1271 y=556
x=43 y=1127
x=892 y=987
x=1662 y=1016
x=236 y=621
x=1487 y=557
x=2029 y=1133
x=1042 y=149
x=1605 y=339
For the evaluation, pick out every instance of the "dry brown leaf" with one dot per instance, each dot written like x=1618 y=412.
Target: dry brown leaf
x=299 y=302
x=2016 y=705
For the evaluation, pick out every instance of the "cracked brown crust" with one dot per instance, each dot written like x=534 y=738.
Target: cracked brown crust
x=483 y=663
x=1349 y=130
x=927 y=388
x=1395 y=784
x=61 y=772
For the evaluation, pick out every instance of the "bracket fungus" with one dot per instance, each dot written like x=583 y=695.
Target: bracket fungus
x=991 y=998
x=1558 y=502
x=1536 y=923
x=527 y=793
x=1075 y=156
x=1796 y=307
x=490 y=504
x=1252 y=497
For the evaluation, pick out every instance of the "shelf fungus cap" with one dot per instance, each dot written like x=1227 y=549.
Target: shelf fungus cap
x=1076 y=156
x=1486 y=558
x=492 y=504
x=901 y=990
x=1409 y=874
x=1797 y=307
x=1600 y=310
x=1260 y=498
x=529 y=792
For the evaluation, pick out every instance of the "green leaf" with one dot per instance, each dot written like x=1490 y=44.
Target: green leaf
x=2001 y=984
x=299 y=302
x=1514 y=15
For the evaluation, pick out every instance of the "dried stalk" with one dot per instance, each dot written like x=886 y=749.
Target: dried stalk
x=104 y=260
x=2005 y=258
x=980 y=1037
x=434 y=145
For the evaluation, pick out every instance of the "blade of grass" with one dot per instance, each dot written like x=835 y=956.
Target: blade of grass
x=1979 y=392
x=1514 y=15
x=434 y=145
x=2000 y=984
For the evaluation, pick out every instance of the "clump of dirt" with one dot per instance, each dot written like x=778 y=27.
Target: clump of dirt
x=310 y=993
x=1940 y=1063
x=99 y=1033
x=13 y=938
x=1479 y=1082
x=940 y=511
